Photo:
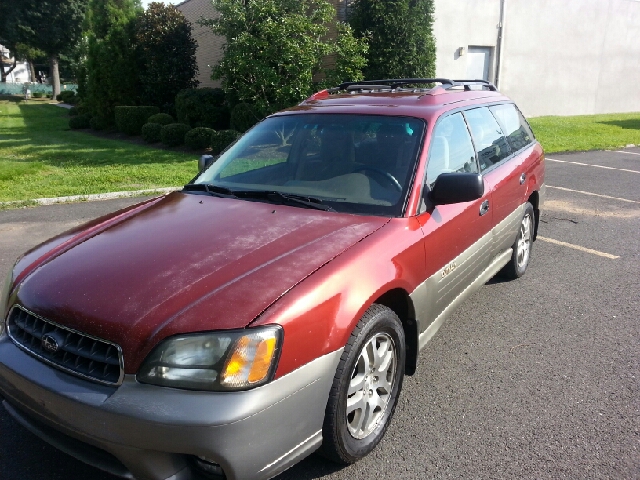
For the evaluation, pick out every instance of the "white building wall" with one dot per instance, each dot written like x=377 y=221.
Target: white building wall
x=560 y=57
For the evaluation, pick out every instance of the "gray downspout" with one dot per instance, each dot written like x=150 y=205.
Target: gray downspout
x=501 y=28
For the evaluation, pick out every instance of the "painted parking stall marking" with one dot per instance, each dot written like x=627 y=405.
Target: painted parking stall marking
x=628 y=153
x=578 y=247
x=592 y=165
x=593 y=194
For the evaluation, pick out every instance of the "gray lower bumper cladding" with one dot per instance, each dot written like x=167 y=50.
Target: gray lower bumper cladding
x=150 y=432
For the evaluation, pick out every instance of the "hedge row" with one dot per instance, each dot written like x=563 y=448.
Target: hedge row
x=67 y=96
x=173 y=134
x=151 y=132
x=197 y=138
x=203 y=107
x=130 y=120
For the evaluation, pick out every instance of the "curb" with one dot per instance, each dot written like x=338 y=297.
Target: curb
x=93 y=197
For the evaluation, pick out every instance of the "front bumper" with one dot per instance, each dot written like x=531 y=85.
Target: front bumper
x=153 y=432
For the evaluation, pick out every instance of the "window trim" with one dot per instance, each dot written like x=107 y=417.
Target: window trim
x=503 y=131
x=511 y=153
x=440 y=118
x=425 y=187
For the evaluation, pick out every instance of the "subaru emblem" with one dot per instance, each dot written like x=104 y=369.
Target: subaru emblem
x=49 y=344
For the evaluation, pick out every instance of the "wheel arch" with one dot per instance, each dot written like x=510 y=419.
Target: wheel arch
x=534 y=199
x=399 y=301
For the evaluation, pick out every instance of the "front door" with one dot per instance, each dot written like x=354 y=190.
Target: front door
x=457 y=237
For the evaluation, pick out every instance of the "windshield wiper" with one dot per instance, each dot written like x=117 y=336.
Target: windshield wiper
x=214 y=190
x=286 y=198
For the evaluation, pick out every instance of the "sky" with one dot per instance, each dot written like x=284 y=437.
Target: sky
x=171 y=2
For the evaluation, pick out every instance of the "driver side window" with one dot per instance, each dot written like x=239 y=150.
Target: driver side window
x=451 y=149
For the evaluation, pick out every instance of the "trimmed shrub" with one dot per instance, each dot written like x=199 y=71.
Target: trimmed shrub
x=222 y=139
x=161 y=118
x=198 y=138
x=130 y=120
x=67 y=96
x=80 y=121
x=37 y=95
x=243 y=117
x=173 y=134
x=99 y=123
x=151 y=132
x=203 y=107
x=73 y=111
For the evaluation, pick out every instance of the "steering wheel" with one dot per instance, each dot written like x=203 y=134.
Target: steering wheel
x=386 y=175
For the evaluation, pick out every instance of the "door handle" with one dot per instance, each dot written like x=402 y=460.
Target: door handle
x=523 y=177
x=484 y=208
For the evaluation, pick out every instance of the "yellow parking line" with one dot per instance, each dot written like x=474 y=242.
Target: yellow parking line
x=577 y=247
x=593 y=194
x=591 y=165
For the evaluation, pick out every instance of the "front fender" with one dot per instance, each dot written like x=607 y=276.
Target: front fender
x=319 y=314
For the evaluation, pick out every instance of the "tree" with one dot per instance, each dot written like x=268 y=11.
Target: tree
x=111 y=66
x=52 y=26
x=402 y=43
x=8 y=33
x=166 y=55
x=275 y=48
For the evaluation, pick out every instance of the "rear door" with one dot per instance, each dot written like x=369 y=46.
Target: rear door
x=506 y=158
x=457 y=237
x=501 y=170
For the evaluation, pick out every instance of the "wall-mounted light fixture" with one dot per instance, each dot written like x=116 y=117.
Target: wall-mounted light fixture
x=461 y=51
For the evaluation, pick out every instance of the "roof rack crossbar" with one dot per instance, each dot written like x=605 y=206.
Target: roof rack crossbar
x=468 y=83
x=394 y=82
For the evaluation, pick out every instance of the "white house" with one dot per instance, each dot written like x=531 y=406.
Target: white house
x=20 y=74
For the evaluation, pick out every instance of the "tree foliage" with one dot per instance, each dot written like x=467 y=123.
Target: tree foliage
x=111 y=73
x=52 y=26
x=166 y=55
x=402 y=43
x=274 y=48
x=136 y=57
x=9 y=37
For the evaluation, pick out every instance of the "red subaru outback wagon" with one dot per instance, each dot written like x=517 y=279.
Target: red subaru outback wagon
x=272 y=307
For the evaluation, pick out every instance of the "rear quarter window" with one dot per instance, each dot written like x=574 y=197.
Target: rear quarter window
x=513 y=125
x=491 y=145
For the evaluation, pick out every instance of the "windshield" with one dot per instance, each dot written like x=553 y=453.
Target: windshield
x=350 y=163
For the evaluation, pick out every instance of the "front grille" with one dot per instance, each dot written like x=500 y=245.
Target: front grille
x=67 y=349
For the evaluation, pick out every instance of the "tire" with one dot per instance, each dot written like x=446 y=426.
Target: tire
x=521 y=247
x=349 y=434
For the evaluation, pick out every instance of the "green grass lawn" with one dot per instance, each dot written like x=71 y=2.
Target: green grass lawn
x=587 y=132
x=41 y=157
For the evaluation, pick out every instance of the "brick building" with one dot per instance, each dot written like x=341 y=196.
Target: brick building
x=209 y=50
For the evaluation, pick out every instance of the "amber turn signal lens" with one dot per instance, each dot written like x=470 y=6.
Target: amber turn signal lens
x=262 y=362
x=251 y=360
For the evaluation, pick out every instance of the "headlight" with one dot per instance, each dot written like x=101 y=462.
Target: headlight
x=4 y=298
x=227 y=360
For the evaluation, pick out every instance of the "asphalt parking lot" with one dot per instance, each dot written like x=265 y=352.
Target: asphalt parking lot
x=535 y=378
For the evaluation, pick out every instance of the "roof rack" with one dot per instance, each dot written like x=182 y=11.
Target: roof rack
x=393 y=84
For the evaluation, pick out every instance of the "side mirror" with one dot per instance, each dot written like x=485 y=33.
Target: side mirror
x=205 y=161
x=457 y=188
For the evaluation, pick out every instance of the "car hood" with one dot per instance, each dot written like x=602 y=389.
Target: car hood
x=185 y=263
